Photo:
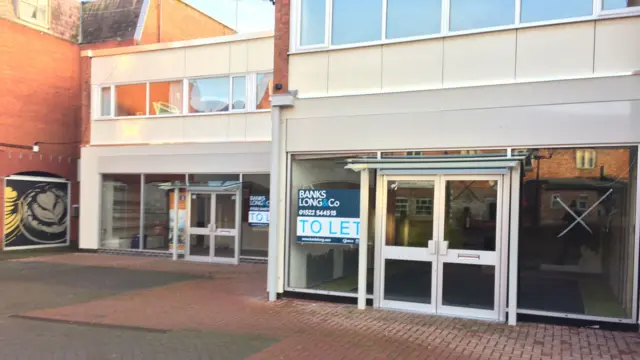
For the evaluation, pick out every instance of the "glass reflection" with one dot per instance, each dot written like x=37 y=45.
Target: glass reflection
x=576 y=231
x=409 y=213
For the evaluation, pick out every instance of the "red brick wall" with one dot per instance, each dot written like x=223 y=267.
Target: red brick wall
x=281 y=45
x=65 y=18
x=39 y=82
x=174 y=16
x=108 y=45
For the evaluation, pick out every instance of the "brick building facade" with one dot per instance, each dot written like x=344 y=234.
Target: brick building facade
x=46 y=82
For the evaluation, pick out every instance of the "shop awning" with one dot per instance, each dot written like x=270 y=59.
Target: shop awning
x=443 y=162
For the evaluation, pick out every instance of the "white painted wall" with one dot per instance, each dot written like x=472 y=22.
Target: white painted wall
x=571 y=112
x=206 y=128
x=584 y=49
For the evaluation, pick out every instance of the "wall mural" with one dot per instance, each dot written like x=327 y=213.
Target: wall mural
x=35 y=213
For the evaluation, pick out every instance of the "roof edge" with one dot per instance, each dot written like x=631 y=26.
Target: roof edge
x=142 y=20
x=178 y=44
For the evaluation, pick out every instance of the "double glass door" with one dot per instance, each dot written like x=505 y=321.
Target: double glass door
x=442 y=240
x=214 y=220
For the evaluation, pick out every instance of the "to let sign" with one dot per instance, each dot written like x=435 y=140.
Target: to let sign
x=258 y=210
x=328 y=217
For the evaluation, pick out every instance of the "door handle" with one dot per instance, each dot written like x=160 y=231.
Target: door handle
x=431 y=247
x=443 y=248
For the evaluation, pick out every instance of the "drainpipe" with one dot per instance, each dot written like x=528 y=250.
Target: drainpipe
x=277 y=102
x=274 y=208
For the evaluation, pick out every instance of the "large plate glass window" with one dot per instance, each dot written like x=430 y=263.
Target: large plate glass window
x=577 y=251
x=131 y=100
x=264 y=88
x=120 y=211
x=619 y=4
x=209 y=95
x=478 y=14
x=406 y=18
x=545 y=10
x=239 y=89
x=322 y=267
x=165 y=98
x=356 y=21
x=312 y=22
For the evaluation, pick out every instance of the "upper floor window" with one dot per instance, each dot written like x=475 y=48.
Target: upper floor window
x=408 y=18
x=585 y=159
x=264 y=89
x=248 y=92
x=477 y=14
x=34 y=11
x=339 y=23
x=545 y=10
x=619 y=4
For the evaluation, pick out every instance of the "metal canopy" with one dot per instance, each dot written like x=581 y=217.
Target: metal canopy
x=212 y=186
x=448 y=162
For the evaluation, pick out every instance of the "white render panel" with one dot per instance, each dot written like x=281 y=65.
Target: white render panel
x=207 y=60
x=355 y=70
x=260 y=55
x=413 y=65
x=238 y=57
x=259 y=127
x=617 y=45
x=211 y=128
x=206 y=128
x=555 y=51
x=479 y=59
x=136 y=67
x=548 y=113
x=309 y=73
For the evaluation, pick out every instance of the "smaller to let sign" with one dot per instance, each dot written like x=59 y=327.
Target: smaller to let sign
x=328 y=217
x=258 y=210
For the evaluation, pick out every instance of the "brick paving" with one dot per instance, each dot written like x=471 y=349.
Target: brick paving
x=230 y=300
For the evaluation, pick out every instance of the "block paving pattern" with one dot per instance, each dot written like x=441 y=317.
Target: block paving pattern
x=231 y=299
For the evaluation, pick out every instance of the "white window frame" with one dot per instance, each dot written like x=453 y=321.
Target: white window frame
x=101 y=105
x=36 y=3
x=296 y=12
x=428 y=205
x=584 y=165
x=580 y=199
x=406 y=203
x=250 y=97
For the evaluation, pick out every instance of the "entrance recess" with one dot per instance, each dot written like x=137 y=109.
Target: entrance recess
x=442 y=244
x=214 y=220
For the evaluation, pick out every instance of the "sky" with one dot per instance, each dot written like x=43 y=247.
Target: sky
x=253 y=15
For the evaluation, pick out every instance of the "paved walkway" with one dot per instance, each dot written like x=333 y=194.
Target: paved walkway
x=215 y=309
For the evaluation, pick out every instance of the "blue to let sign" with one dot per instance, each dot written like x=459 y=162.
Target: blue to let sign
x=258 y=210
x=328 y=217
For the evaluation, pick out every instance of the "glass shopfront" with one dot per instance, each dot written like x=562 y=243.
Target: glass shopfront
x=212 y=215
x=445 y=235
x=325 y=268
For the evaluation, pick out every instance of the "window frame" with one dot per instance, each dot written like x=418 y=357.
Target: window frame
x=47 y=21
x=296 y=28
x=408 y=206
x=250 y=96
x=427 y=205
x=582 y=198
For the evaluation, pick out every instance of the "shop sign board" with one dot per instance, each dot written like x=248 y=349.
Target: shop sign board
x=258 y=210
x=328 y=216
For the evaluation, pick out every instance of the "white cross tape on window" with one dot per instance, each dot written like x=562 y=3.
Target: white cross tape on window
x=579 y=219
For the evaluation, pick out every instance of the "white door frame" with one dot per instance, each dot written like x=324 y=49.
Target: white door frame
x=211 y=230
x=437 y=253
x=408 y=253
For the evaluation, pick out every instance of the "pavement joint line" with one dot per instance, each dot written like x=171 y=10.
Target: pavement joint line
x=89 y=324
